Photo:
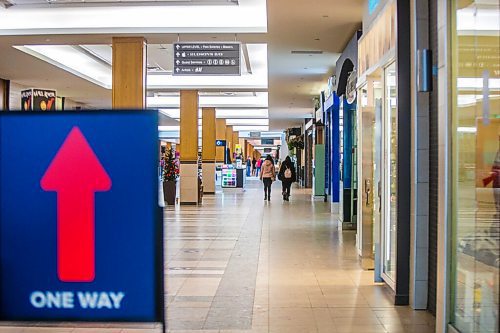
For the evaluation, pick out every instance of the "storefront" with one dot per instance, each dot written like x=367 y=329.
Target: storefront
x=384 y=124
x=469 y=301
x=340 y=114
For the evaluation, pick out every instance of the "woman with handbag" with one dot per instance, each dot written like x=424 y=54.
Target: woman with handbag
x=267 y=175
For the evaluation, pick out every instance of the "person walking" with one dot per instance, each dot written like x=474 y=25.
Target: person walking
x=287 y=177
x=254 y=161
x=268 y=175
x=249 y=165
x=257 y=167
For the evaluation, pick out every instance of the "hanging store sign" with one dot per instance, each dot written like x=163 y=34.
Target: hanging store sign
x=207 y=59
x=350 y=89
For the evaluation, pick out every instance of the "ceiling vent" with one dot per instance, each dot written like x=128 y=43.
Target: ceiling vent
x=307 y=52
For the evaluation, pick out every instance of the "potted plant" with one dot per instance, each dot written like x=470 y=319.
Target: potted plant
x=170 y=175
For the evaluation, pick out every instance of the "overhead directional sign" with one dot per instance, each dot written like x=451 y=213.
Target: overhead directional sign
x=80 y=228
x=207 y=59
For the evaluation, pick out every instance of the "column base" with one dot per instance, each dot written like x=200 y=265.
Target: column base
x=188 y=183
x=208 y=173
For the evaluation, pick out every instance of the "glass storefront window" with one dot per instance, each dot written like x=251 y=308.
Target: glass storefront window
x=391 y=145
x=475 y=165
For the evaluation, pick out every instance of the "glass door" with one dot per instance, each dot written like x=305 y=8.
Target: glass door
x=389 y=202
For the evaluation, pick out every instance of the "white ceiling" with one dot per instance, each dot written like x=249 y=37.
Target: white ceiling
x=292 y=25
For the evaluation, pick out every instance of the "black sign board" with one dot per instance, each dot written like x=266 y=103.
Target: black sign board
x=267 y=141
x=207 y=59
x=26 y=102
x=38 y=100
x=220 y=143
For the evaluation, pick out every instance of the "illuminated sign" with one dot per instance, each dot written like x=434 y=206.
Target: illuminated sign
x=80 y=228
x=372 y=5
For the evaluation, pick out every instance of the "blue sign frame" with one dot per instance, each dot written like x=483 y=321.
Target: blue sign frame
x=128 y=224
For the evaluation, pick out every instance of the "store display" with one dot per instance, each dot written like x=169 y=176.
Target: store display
x=228 y=176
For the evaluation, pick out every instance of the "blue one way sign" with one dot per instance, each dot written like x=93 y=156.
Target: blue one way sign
x=80 y=230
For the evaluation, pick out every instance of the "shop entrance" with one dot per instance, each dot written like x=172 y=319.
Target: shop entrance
x=376 y=232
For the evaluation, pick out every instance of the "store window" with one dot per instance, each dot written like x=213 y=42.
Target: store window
x=389 y=227
x=475 y=165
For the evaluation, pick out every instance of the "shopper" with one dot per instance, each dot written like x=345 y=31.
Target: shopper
x=254 y=162
x=257 y=167
x=249 y=165
x=287 y=176
x=268 y=175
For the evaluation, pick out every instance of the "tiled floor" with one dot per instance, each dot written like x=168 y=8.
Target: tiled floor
x=239 y=264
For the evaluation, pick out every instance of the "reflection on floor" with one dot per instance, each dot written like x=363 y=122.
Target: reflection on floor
x=239 y=264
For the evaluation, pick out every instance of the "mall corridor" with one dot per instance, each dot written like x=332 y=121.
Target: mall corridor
x=244 y=265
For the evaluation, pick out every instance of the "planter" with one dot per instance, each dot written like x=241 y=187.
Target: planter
x=169 y=191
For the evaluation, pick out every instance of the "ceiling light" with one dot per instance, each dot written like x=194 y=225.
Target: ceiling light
x=110 y=18
x=251 y=122
x=72 y=60
x=310 y=52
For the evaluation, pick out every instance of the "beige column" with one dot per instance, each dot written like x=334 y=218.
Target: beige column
x=129 y=73
x=229 y=140
x=5 y=95
x=189 y=153
x=220 y=133
x=208 y=128
x=236 y=141
x=243 y=145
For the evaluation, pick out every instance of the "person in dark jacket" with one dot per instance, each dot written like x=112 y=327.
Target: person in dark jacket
x=287 y=176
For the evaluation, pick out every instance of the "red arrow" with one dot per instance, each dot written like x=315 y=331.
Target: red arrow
x=76 y=174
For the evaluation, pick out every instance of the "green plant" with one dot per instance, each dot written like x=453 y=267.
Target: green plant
x=170 y=166
x=296 y=142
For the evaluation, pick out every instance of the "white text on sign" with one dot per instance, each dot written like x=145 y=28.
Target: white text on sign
x=81 y=299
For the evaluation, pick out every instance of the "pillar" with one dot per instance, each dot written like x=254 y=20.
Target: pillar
x=208 y=151
x=129 y=73
x=229 y=140
x=220 y=133
x=236 y=141
x=189 y=153
x=5 y=95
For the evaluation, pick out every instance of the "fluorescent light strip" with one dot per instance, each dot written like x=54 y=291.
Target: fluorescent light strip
x=223 y=113
x=464 y=129
x=250 y=16
x=261 y=122
x=72 y=60
x=260 y=100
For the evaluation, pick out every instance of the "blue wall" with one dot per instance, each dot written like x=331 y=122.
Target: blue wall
x=334 y=149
